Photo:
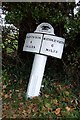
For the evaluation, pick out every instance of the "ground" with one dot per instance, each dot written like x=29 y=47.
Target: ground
x=58 y=99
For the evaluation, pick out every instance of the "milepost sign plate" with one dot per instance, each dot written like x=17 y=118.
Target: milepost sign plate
x=45 y=43
x=52 y=46
x=32 y=42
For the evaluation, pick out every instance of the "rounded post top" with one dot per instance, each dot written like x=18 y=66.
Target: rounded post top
x=45 y=28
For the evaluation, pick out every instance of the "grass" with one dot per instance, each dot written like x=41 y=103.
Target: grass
x=58 y=99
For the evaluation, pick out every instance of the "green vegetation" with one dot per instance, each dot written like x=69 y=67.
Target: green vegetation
x=60 y=96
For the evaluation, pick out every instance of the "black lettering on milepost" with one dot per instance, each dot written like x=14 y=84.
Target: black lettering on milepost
x=52 y=45
x=52 y=51
x=30 y=46
x=46 y=49
x=30 y=41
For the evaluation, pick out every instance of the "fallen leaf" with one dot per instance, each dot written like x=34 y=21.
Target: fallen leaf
x=15 y=80
x=24 y=112
x=67 y=99
x=47 y=105
x=44 y=109
x=47 y=96
x=14 y=116
x=17 y=90
x=4 y=86
x=5 y=107
x=6 y=96
x=60 y=87
x=68 y=108
x=21 y=103
x=55 y=101
x=1 y=94
x=66 y=92
x=57 y=111
x=10 y=95
x=10 y=91
x=19 y=95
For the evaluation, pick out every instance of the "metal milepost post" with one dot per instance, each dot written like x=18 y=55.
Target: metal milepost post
x=36 y=75
x=44 y=43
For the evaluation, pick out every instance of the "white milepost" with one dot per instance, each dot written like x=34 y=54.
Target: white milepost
x=43 y=42
x=36 y=75
x=77 y=8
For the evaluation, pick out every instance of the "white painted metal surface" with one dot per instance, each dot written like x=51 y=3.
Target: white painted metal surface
x=36 y=76
x=45 y=44
x=32 y=42
x=52 y=46
x=42 y=41
x=77 y=8
x=45 y=28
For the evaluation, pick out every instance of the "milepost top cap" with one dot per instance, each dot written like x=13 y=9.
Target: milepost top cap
x=45 y=28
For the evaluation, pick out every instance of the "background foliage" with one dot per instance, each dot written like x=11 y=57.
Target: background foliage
x=58 y=73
